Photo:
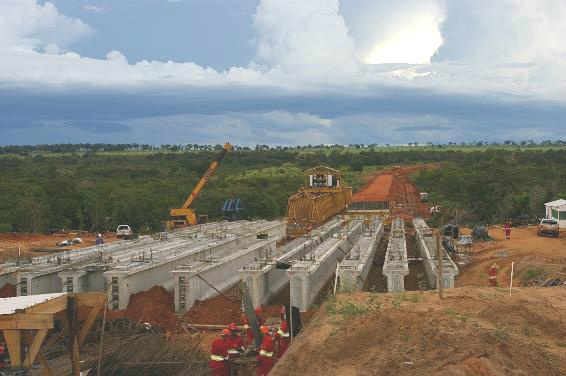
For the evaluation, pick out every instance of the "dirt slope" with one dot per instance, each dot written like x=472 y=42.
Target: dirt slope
x=473 y=331
x=531 y=253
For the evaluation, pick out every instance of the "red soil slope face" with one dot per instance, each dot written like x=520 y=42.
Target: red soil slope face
x=395 y=186
x=472 y=331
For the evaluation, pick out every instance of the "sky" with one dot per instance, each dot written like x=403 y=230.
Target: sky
x=281 y=72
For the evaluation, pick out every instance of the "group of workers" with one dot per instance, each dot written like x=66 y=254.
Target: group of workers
x=231 y=345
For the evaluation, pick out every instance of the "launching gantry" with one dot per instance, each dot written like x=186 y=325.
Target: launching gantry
x=322 y=196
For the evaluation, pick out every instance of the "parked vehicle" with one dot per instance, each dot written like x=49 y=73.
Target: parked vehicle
x=548 y=227
x=125 y=232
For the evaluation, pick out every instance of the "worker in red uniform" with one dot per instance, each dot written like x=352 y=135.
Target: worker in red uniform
x=282 y=335
x=507 y=230
x=492 y=274
x=236 y=342
x=265 y=356
x=250 y=334
x=219 y=355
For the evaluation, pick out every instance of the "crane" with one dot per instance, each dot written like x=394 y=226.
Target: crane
x=185 y=216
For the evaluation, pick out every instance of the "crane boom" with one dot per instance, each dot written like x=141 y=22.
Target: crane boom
x=207 y=175
x=185 y=215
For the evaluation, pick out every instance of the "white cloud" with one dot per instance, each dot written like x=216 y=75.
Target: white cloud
x=308 y=47
x=24 y=24
x=400 y=31
x=297 y=34
x=94 y=8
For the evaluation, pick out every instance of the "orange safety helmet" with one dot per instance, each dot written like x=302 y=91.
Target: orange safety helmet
x=225 y=332
x=232 y=326
x=264 y=329
x=258 y=311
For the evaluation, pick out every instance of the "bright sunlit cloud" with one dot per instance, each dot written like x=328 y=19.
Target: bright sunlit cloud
x=413 y=43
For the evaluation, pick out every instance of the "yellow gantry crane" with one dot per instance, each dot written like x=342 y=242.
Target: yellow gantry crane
x=185 y=216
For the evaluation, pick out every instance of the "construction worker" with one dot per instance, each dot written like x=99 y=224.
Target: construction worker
x=99 y=239
x=265 y=356
x=250 y=334
x=507 y=230
x=282 y=335
x=219 y=355
x=236 y=343
x=492 y=275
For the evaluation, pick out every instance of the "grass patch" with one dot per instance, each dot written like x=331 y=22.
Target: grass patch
x=500 y=334
x=531 y=273
x=346 y=308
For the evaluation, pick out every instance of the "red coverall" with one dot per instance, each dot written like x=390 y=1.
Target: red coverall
x=235 y=343
x=283 y=338
x=218 y=355
x=249 y=332
x=507 y=230
x=492 y=276
x=265 y=357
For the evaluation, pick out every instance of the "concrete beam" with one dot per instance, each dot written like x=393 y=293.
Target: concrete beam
x=200 y=280
x=308 y=277
x=396 y=265
x=126 y=278
x=264 y=281
x=426 y=244
x=354 y=269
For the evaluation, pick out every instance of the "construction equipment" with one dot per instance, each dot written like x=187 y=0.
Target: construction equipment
x=185 y=216
x=321 y=197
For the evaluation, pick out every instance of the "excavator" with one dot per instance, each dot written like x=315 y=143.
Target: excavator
x=185 y=216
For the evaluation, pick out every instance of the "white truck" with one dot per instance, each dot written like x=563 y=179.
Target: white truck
x=125 y=232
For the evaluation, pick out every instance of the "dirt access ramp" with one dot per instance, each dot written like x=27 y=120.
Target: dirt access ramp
x=472 y=331
x=535 y=257
x=395 y=186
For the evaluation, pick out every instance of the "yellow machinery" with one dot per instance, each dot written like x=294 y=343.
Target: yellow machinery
x=321 y=197
x=185 y=216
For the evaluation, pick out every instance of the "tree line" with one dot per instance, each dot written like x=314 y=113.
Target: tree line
x=98 y=191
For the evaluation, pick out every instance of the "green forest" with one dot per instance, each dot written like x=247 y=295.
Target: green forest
x=97 y=191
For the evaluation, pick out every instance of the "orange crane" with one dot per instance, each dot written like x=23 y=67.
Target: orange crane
x=185 y=216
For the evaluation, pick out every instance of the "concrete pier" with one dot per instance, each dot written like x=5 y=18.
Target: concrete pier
x=353 y=270
x=426 y=244
x=309 y=276
x=264 y=281
x=396 y=265
x=202 y=279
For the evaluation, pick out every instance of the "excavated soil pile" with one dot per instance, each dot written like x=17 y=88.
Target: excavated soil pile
x=8 y=291
x=472 y=331
x=155 y=306
x=217 y=310
x=222 y=310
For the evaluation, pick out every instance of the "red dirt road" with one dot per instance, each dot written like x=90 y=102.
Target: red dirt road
x=395 y=186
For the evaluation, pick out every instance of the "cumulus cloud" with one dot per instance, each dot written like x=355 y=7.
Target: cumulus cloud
x=317 y=50
x=25 y=24
x=401 y=31
x=298 y=34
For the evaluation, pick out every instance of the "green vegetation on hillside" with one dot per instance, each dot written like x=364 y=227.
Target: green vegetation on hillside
x=99 y=190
